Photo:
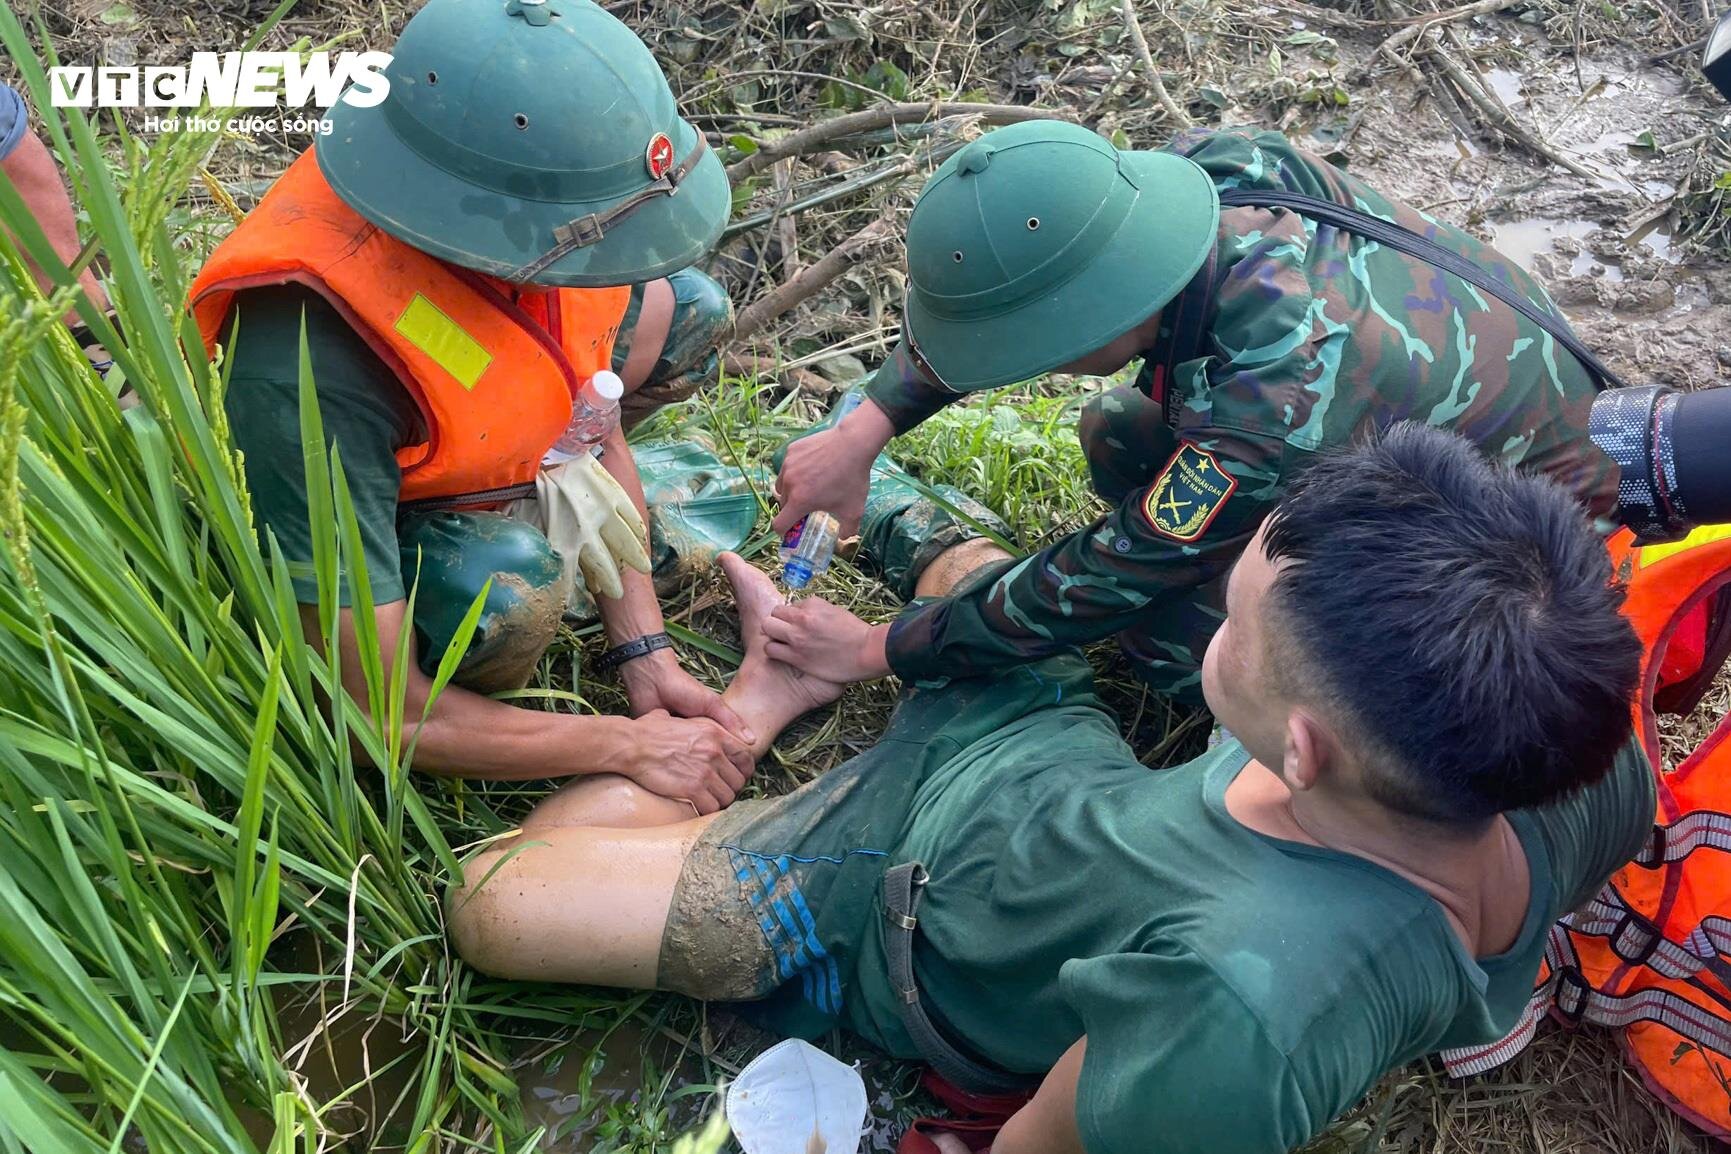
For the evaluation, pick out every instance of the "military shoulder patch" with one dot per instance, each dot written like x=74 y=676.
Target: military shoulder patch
x=1188 y=494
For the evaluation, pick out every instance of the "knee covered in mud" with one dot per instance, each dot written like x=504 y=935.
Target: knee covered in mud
x=448 y=559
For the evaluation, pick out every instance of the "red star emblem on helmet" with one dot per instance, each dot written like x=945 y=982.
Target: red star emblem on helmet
x=659 y=157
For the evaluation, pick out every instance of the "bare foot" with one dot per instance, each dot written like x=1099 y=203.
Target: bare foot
x=766 y=694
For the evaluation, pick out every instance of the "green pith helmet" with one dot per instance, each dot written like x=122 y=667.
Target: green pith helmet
x=1040 y=242
x=534 y=140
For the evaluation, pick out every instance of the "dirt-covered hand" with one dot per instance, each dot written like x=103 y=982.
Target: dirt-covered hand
x=692 y=759
x=826 y=641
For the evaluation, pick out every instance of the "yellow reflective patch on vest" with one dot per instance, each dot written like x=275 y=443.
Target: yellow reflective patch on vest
x=1189 y=494
x=1702 y=535
x=424 y=325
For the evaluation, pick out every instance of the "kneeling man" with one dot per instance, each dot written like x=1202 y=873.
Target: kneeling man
x=1428 y=680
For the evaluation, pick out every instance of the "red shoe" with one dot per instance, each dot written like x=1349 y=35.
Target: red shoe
x=996 y=1107
x=976 y=1135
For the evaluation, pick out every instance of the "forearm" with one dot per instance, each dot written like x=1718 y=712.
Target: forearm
x=903 y=394
x=1047 y=1124
x=638 y=611
x=467 y=735
x=33 y=172
x=463 y=734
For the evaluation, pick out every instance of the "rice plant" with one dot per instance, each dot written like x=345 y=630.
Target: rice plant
x=190 y=831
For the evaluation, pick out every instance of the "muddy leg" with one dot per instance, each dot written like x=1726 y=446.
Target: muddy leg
x=667 y=344
x=956 y=563
x=572 y=903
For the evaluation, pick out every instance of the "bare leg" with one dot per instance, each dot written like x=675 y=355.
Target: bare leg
x=606 y=800
x=955 y=563
x=572 y=903
x=583 y=892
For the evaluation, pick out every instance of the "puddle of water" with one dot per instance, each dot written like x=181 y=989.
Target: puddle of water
x=588 y=1089
x=1523 y=240
x=1656 y=237
x=1506 y=85
x=1585 y=263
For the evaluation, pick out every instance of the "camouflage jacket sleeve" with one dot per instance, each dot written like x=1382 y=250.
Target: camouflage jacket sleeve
x=904 y=394
x=1181 y=531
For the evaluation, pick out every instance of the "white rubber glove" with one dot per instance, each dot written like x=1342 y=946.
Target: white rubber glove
x=591 y=522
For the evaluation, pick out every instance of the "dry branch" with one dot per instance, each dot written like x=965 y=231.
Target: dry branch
x=746 y=365
x=877 y=235
x=1392 y=46
x=1170 y=106
x=813 y=138
x=1499 y=118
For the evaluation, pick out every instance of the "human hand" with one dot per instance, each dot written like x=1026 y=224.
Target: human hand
x=826 y=641
x=831 y=470
x=691 y=759
x=658 y=681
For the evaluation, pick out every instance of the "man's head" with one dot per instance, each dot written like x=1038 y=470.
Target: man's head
x=532 y=140
x=1040 y=246
x=1419 y=627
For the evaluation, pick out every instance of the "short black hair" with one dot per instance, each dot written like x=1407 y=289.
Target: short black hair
x=1463 y=618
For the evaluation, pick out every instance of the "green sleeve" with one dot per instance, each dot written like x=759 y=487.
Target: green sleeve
x=903 y=393
x=366 y=413
x=1176 y=1062
x=1595 y=831
x=1096 y=582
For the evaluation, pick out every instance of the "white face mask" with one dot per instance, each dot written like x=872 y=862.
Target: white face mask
x=795 y=1099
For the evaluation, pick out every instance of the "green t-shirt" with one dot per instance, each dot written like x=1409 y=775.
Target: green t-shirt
x=366 y=412
x=1237 y=991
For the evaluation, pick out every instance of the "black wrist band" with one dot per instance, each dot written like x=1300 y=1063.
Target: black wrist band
x=633 y=649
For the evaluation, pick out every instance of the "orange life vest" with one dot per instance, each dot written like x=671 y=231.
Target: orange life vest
x=1650 y=956
x=494 y=384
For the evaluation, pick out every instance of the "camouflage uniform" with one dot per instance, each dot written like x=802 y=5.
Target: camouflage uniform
x=1293 y=338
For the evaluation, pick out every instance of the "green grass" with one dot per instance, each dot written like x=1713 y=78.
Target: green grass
x=192 y=849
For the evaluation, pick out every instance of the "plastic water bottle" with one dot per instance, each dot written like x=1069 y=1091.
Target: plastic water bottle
x=809 y=547
x=594 y=415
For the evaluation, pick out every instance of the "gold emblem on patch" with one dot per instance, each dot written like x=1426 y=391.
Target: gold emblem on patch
x=1188 y=495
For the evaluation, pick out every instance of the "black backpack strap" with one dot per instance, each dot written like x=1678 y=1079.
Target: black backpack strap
x=1405 y=240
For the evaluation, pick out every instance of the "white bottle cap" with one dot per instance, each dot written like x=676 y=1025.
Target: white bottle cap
x=607 y=385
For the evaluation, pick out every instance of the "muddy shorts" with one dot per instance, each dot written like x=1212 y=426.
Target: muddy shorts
x=776 y=897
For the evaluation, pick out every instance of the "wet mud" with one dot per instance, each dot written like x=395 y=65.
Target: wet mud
x=1654 y=310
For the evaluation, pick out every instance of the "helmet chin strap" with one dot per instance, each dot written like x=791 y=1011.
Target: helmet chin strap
x=587 y=230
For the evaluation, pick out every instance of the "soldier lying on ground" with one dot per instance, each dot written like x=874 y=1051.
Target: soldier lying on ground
x=1264 y=338
x=1427 y=677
